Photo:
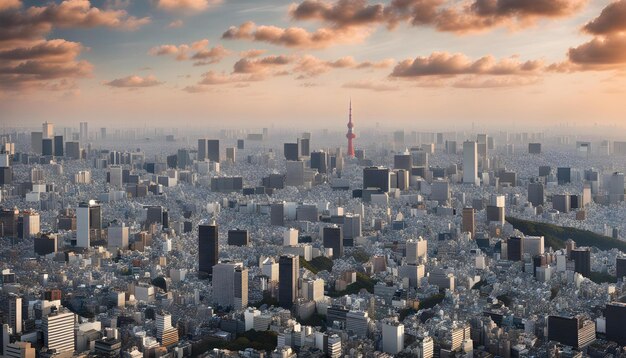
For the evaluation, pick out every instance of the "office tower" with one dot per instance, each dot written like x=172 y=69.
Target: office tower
x=620 y=267
x=58 y=146
x=350 y=135
x=416 y=251
x=6 y=176
x=564 y=175
x=58 y=331
x=8 y=222
x=292 y=151
x=47 y=146
x=426 y=347
x=13 y=312
x=616 y=188
x=73 y=150
x=103 y=133
x=213 y=150
x=440 y=191
x=231 y=154
x=615 y=314
x=534 y=245
x=47 y=130
x=269 y=268
x=288 y=275
x=295 y=173
x=202 y=149
x=451 y=147
x=319 y=161
x=30 y=223
x=84 y=132
x=515 y=248
x=582 y=260
x=36 y=142
x=414 y=273
x=307 y=213
x=238 y=237
x=166 y=334
x=45 y=244
x=333 y=348
x=156 y=214
x=182 y=159
x=277 y=214
x=577 y=332
x=469 y=225
x=403 y=161
x=304 y=147
x=351 y=228
x=377 y=178
x=240 y=144
x=230 y=285
x=535 y=194
x=115 y=176
x=534 y=148
x=561 y=202
x=470 y=163
x=495 y=214
x=290 y=237
x=333 y=239
x=118 y=234
x=393 y=336
x=88 y=222
x=208 y=248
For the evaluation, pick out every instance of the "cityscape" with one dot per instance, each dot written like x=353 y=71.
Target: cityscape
x=444 y=206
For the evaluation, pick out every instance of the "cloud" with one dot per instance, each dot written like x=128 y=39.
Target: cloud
x=10 y=4
x=311 y=66
x=134 y=81
x=260 y=66
x=607 y=50
x=175 y=24
x=612 y=19
x=449 y=16
x=295 y=36
x=188 y=6
x=446 y=64
x=369 y=85
x=475 y=82
x=252 y=53
x=197 y=51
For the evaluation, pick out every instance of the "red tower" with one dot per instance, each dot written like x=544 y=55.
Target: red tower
x=350 y=135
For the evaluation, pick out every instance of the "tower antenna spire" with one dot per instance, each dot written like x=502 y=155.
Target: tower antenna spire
x=350 y=135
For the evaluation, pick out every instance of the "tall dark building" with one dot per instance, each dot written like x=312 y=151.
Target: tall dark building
x=333 y=239
x=8 y=222
x=47 y=146
x=582 y=261
x=534 y=148
x=238 y=237
x=535 y=194
x=403 y=161
x=277 y=214
x=575 y=332
x=213 y=150
x=564 y=175
x=292 y=151
x=515 y=248
x=6 y=175
x=620 y=267
x=288 y=274
x=208 y=248
x=45 y=244
x=202 y=149
x=304 y=146
x=376 y=177
x=319 y=161
x=58 y=146
x=615 y=314
x=240 y=144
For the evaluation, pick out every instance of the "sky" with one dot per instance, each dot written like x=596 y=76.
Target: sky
x=234 y=63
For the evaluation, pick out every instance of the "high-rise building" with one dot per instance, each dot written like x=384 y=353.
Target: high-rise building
x=115 y=176
x=230 y=285
x=238 y=237
x=8 y=222
x=13 y=312
x=117 y=235
x=58 y=146
x=469 y=225
x=393 y=336
x=564 y=175
x=88 y=223
x=582 y=260
x=376 y=177
x=470 y=163
x=47 y=130
x=616 y=188
x=58 y=331
x=333 y=348
x=319 y=161
x=535 y=194
x=19 y=350
x=620 y=267
x=277 y=214
x=202 y=149
x=45 y=244
x=562 y=202
x=515 y=248
x=416 y=251
x=231 y=154
x=615 y=314
x=166 y=334
x=288 y=275
x=291 y=151
x=47 y=146
x=84 y=132
x=73 y=150
x=576 y=332
x=304 y=146
x=208 y=248
x=403 y=161
x=36 y=139
x=333 y=239
x=213 y=150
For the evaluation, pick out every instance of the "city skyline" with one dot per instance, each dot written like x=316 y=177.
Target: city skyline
x=205 y=61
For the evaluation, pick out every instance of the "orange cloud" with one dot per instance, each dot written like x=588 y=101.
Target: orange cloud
x=201 y=53
x=134 y=81
x=612 y=20
x=186 y=5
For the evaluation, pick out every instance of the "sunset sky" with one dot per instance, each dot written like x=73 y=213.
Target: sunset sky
x=257 y=63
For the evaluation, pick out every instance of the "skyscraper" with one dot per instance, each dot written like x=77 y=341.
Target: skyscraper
x=208 y=249
x=88 y=222
x=470 y=163
x=582 y=260
x=469 y=224
x=58 y=331
x=615 y=314
x=84 y=131
x=202 y=149
x=393 y=336
x=230 y=285
x=350 y=135
x=288 y=274
x=167 y=335
x=213 y=150
x=47 y=130
x=333 y=239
